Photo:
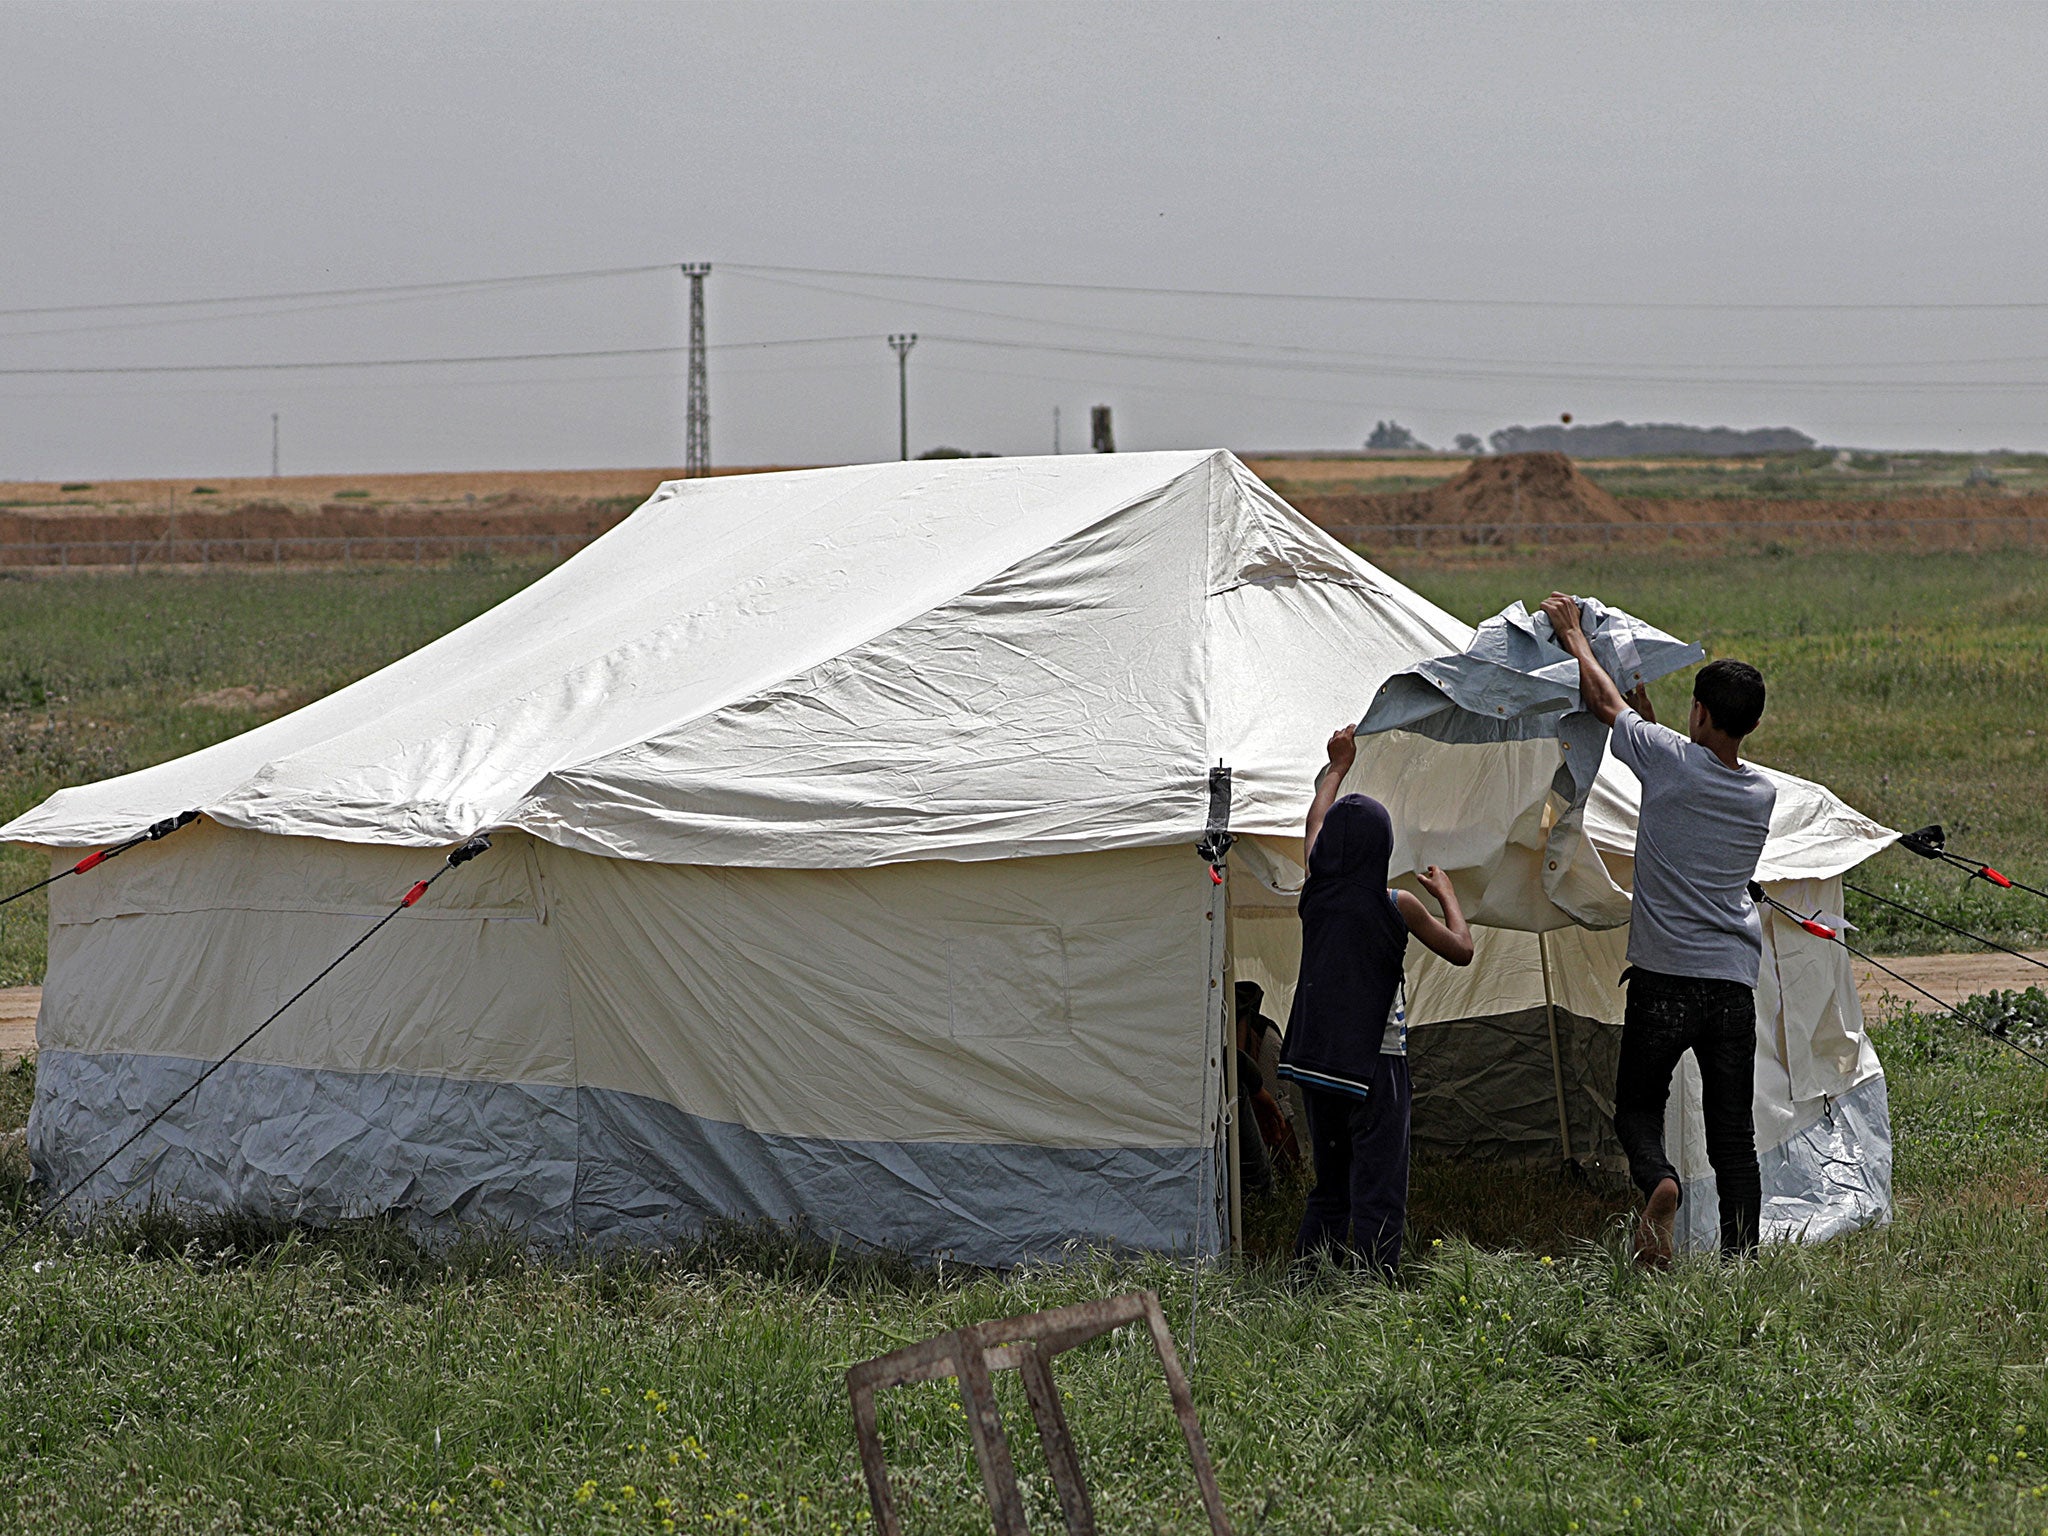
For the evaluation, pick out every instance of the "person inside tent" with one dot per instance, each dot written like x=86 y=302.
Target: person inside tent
x=1347 y=1036
x=1695 y=942
x=1261 y=1036
x=1259 y=1053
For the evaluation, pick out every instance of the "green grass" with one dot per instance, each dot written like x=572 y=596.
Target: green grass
x=97 y=674
x=1913 y=686
x=157 y=1378
x=232 y=1377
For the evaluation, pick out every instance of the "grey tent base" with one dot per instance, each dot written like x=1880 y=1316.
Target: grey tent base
x=1831 y=1178
x=1486 y=1089
x=558 y=1164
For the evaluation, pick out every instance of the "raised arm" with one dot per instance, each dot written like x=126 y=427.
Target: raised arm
x=1343 y=750
x=1449 y=938
x=1603 y=701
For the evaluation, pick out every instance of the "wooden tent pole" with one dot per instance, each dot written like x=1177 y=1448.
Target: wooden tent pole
x=1564 y=1122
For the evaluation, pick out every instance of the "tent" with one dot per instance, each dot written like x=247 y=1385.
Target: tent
x=844 y=875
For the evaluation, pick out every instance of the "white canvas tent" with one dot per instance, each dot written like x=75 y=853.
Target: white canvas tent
x=844 y=875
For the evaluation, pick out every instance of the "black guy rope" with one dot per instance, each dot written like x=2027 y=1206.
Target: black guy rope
x=1819 y=929
x=156 y=832
x=1931 y=842
x=1929 y=917
x=462 y=855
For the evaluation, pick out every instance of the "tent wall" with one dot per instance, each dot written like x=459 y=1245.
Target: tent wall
x=989 y=1060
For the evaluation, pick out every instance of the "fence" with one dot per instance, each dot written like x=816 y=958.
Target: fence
x=333 y=549
x=1984 y=532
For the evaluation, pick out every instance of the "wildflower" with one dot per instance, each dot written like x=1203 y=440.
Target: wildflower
x=435 y=1506
x=586 y=1491
x=1463 y=1302
x=604 y=1391
x=1592 y=1442
x=628 y=1491
x=610 y=1508
x=1500 y=1359
x=1546 y=1261
x=1991 y=1460
x=651 y=1395
x=1436 y=1242
x=661 y=1407
x=661 y=1503
x=674 y=1457
x=1507 y=1317
x=497 y=1482
x=1635 y=1503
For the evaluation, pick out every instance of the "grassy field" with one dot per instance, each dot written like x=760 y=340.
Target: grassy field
x=157 y=1379
x=1521 y=1378
x=102 y=675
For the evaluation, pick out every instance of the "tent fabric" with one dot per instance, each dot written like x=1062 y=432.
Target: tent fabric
x=844 y=876
x=1498 y=724
x=987 y=1060
x=562 y=1164
x=839 y=668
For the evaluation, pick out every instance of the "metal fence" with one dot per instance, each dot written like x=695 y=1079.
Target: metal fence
x=1985 y=532
x=333 y=549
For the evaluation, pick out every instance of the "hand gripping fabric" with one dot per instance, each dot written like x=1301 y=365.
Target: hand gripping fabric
x=1515 y=683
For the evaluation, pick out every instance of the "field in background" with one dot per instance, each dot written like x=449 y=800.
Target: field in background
x=1791 y=500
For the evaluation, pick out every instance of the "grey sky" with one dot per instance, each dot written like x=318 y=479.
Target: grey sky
x=1752 y=154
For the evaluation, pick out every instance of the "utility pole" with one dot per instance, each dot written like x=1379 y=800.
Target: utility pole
x=1055 y=429
x=697 y=431
x=273 y=445
x=902 y=345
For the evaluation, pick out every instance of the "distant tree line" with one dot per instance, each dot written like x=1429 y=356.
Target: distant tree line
x=1620 y=439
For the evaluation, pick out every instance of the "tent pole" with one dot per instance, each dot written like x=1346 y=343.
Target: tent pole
x=1564 y=1122
x=1222 y=972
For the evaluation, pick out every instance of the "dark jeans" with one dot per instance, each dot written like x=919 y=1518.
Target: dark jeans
x=1715 y=1020
x=1360 y=1146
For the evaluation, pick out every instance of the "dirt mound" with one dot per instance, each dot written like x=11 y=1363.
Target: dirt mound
x=1521 y=488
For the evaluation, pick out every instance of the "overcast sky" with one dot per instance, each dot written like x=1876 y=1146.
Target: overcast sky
x=1550 y=155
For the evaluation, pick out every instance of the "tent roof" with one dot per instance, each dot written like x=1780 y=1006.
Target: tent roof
x=832 y=668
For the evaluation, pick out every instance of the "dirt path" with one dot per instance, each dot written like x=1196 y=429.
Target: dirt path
x=18 y=1022
x=1949 y=977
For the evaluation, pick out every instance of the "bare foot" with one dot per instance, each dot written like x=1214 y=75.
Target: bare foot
x=1654 y=1228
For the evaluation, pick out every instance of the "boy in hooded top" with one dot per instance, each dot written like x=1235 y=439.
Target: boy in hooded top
x=1347 y=1035
x=1695 y=942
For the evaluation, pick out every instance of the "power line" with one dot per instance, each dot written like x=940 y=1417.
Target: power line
x=1530 y=376
x=1293 y=348
x=450 y=286
x=1431 y=301
x=419 y=362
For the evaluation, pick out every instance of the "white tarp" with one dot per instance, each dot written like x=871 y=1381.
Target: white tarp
x=965 y=659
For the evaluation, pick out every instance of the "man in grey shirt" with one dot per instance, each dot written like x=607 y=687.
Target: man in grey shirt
x=1695 y=941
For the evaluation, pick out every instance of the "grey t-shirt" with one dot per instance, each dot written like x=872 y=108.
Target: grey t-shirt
x=1702 y=831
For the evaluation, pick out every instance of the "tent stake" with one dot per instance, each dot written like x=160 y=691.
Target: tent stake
x=1564 y=1123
